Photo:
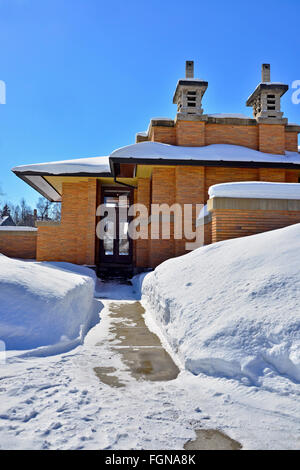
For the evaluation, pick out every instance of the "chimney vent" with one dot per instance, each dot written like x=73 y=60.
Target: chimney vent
x=189 y=69
x=266 y=73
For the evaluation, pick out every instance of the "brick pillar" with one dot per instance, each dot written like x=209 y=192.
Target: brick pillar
x=190 y=133
x=271 y=138
x=291 y=141
x=190 y=189
x=91 y=222
x=163 y=191
x=142 y=247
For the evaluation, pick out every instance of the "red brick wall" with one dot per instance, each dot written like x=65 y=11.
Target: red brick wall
x=271 y=138
x=268 y=138
x=142 y=246
x=163 y=191
x=246 y=136
x=18 y=244
x=167 y=135
x=75 y=238
x=291 y=141
x=190 y=133
x=228 y=224
x=217 y=175
x=189 y=190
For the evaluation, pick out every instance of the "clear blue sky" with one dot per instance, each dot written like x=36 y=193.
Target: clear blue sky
x=83 y=76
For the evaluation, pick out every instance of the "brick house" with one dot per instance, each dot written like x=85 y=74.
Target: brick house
x=175 y=161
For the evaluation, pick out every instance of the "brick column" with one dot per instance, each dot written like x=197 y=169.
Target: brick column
x=163 y=191
x=190 y=133
x=271 y=138
x=142 y=247
x=190 y=189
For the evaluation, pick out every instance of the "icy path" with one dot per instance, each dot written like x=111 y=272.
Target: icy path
x=58 y=402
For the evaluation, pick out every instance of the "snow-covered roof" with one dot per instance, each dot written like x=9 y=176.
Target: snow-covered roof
x=19 y=228
x=229 y=115
x=256 y=190
x=80 y=165
x=215 y=152
x=3 y=219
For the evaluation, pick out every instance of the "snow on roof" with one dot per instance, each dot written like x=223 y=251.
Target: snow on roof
x=19 y=228
x=230 y=115
x=143 y=133
x=265 y=83
x=256 y=190
x=215 y=152
x=79 y=165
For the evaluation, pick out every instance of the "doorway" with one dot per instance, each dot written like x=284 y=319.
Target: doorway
x=115 y=245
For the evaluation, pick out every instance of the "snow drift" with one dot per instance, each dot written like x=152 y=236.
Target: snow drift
x=233 y=308
x=43 y=304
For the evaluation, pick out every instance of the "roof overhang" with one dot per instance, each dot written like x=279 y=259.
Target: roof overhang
x=37 y=181
x=212 y=163
x=275 y=87
x=189 y=83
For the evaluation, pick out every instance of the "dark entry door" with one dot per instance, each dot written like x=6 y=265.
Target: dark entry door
x=116 y=246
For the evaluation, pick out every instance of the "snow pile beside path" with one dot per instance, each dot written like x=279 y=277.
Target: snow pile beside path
x=43 y=304
x=233 y=308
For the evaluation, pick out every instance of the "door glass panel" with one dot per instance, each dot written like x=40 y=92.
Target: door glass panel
x=123 y=239
x=108 y=240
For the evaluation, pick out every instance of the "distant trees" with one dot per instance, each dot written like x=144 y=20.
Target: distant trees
x=23 y=214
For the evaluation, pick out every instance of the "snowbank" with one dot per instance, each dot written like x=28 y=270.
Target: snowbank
x=43 y=304
x=232 y=308
x=256 y=189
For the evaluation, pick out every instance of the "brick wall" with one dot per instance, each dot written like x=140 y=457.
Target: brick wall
x=246 y=136
x=239 y=217
x=291 y=141
x=74 y=239
x=189 y=185
x=190 y=133
x=163 y=191
x=141 y=247
x=18 y=244
x=167 y=135
x=190 y=189
x=271 y=138
x=240 y=223
x=268 y=138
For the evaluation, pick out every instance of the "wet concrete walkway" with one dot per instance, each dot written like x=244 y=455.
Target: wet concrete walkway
x=144 y=357
x=140 y=349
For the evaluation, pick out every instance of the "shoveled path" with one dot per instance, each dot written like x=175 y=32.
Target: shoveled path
x=145 y=358
x=140 y=349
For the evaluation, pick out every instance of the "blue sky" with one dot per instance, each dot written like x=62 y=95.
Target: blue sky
x=83 y=76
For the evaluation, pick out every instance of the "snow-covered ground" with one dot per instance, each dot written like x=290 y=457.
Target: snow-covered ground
x=229 y=316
